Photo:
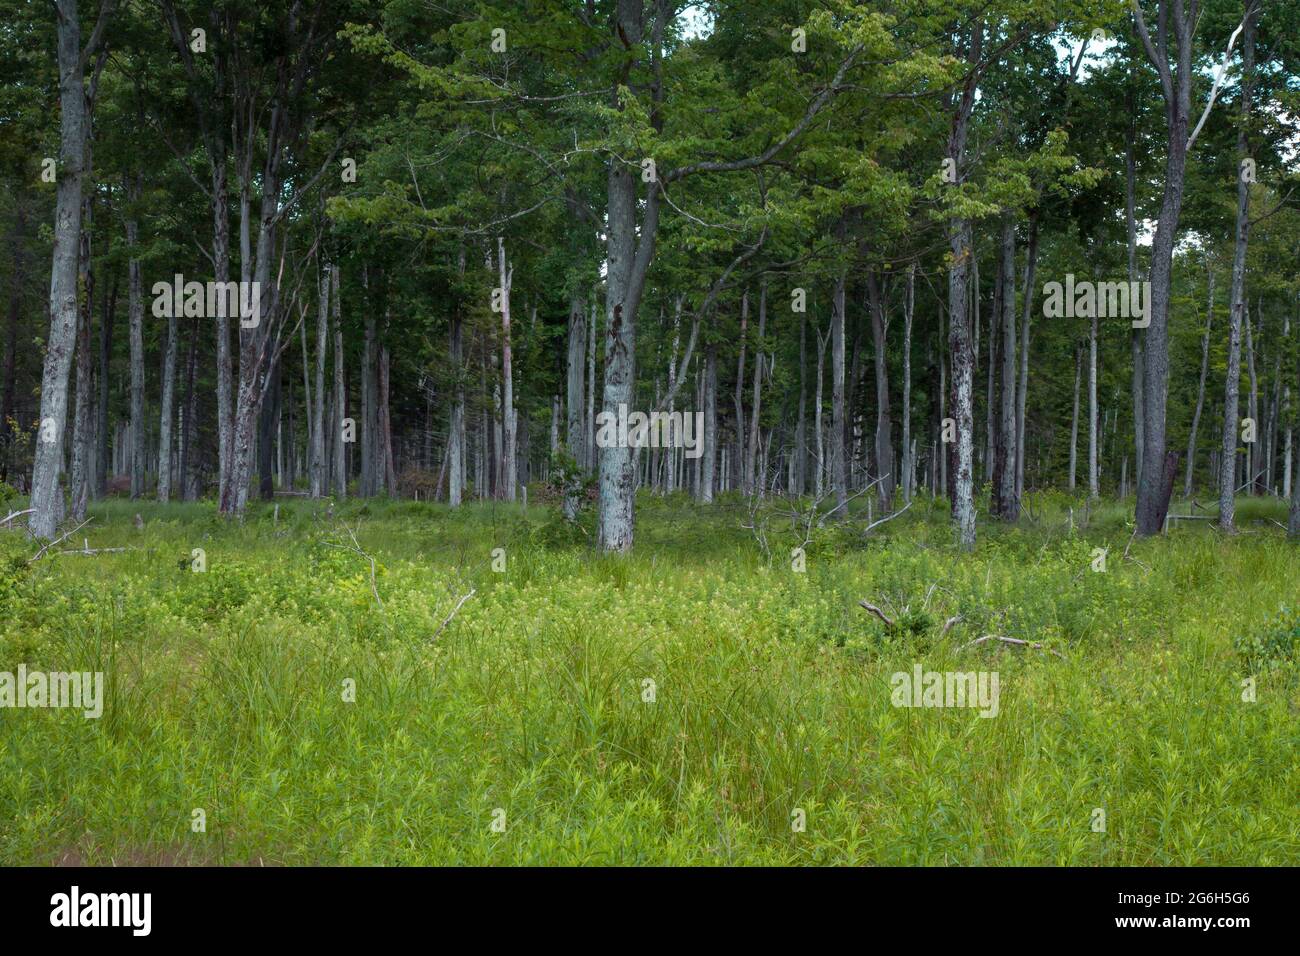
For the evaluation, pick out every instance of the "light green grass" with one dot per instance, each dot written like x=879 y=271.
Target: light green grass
x=772 y=693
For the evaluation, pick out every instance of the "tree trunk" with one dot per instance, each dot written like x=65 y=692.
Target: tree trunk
x=1074 y=418
x=1200 y=391
x=1237 y=296
x=135 y=313
x=708 y=461
x=509 y=466
x=46 y=497
x=190 y=430
x=754 y=480
x=1004 y=468
x=884 y=438
x=1022 y=393
x=1094 y=439
x=79 y=483
x=340 y=392
x=1252 y=409
x=1152 y=506
x=1135 y=335
x=167 y=413
x=909 y=449
x=839 y=473
x=316 y=439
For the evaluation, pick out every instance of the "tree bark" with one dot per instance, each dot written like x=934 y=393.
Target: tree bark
x=1004 y=468
x=167 y=413
x=1094 y=438
x=509 y=466
x=1237 y=295
x=1200 y=390
x=839 y=472
x=754 y=481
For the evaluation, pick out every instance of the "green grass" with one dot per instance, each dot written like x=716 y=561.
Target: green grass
x=772 y=692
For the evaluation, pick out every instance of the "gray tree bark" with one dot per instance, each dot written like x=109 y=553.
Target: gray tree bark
x=167 y=413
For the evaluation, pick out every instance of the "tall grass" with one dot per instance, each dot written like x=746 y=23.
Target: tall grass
x=771 y=692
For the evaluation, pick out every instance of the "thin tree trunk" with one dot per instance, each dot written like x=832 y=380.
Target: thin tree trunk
x=1237 y=296
x=508 y=464
x=1252 y=409
x=909 y=446
x=1074 y=418
x=167 y=413
x=708 y=461
x=318 y=481
x=884 y=437
x=753 y=480
x=1004 y=468
x=839 y=475
x=1094 y=483
x=1022 y=393
x=340 y=392
x=135 y=312
x=1200 y=391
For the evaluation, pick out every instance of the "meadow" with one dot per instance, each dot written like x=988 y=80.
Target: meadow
x=698 y=703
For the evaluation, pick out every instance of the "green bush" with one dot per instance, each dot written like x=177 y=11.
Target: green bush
x=1277 y=645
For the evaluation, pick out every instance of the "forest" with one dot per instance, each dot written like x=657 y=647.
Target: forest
x=603 y=398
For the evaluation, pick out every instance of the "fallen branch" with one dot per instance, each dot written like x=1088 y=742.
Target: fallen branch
x=454 y=611
x=59 y=540
x=888 y=517
x=878 y=612
x=17 y=514
x=89 y=550
x=1011 y=640
x=948 y=625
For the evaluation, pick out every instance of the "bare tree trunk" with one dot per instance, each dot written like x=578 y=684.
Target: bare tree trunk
x=1152 y=506
x=1074 y=418
x=167 y=413
x=839 y=474
x=708 y=461
x=884 y=440
x=317 y=480
x=190 y=429
x=456 y=436
x=340 y=392
x=1094 y=482
x=909 y=447
x=508 y=465
x=1135 y=335
x=799 y=477
x=962 y=374
x=1287 y=473
x=991 y=418
x=135 y=312
x=79 y=483
x=385 y=431
x=589 y=426
x=753 y=480
x=101 y=406
x=1200 y=391
x=1252 y=409
x=1022 y=393
x=46 y=497
x=1004 y=468
x=575 y=386
x=740 y=387
x=1237 y=296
